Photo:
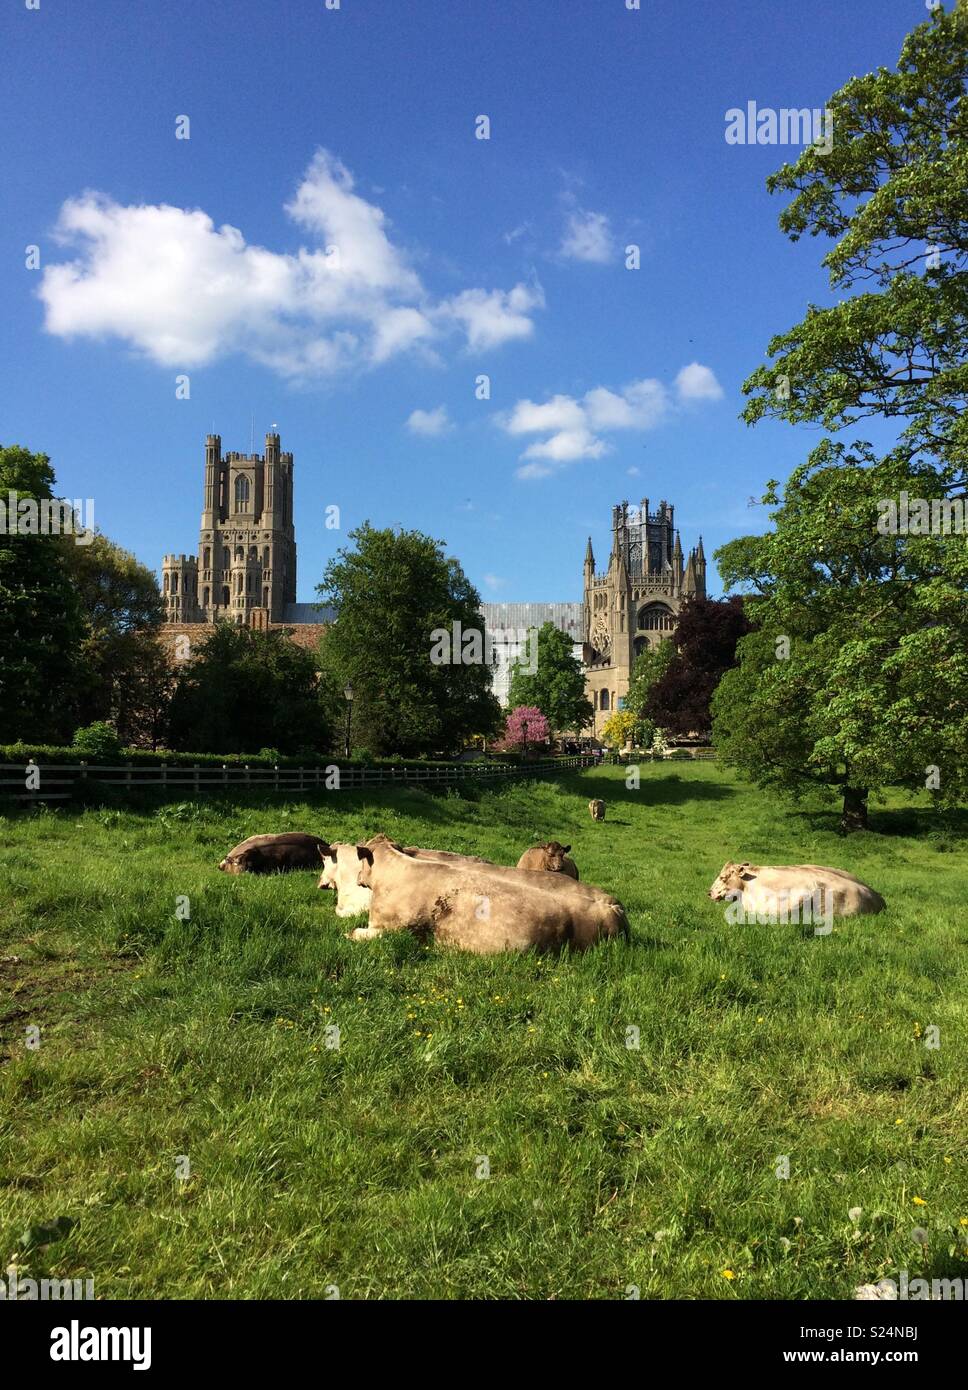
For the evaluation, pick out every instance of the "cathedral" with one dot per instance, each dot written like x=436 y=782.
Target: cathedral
x=245 y=570
x=636 y=602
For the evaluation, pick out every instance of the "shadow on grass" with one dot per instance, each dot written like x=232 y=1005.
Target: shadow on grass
x=668 y=790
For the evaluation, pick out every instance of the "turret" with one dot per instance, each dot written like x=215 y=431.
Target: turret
x=589 y=560
x=677 y=559
x=179 y=588
x=213 y=470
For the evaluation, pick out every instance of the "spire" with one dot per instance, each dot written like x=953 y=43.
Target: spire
x=589 y=556
x=689 y=583
x=700 y=555
x=677 y=548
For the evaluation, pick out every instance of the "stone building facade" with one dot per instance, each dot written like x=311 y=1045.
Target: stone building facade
x=635 y=603
x=245 y=569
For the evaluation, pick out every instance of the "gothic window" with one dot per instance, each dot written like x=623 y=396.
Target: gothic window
x=239 y=553
x=241 y=493
x=205 y=598
x=265 y=596
x=253 y=553
x=207 y=557
x=655 y=617
x=604 y=702
x=226 y=597
x=226 y=557
x=174 y=583
x=265 y=555
x=166 y=583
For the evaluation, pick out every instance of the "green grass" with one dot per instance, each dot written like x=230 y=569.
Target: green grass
x=356 y=1167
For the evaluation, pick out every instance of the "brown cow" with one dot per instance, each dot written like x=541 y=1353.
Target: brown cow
x=552 y=857
x=482 y=908
x=596 y=809
x=274 y=854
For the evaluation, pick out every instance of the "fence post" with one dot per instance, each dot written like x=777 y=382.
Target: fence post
x=248 y=775
x=127 y=776
x=164 y=774
x=83 y=769
x=225 y=773
x=195 y=768
x=276 y=766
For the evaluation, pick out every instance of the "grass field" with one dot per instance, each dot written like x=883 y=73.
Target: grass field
x=359 y=1167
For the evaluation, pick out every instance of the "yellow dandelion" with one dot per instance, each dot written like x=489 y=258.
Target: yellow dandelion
x=919 y=1201
x=728 y=1274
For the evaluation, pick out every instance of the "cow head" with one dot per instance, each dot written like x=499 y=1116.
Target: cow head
x=731 y=880
x=556 y=855
x=237 y=863
x=327 y=878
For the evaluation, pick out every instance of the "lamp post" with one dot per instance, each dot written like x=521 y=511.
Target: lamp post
x=348 y=697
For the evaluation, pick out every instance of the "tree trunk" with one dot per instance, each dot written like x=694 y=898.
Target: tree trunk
x=854 y=814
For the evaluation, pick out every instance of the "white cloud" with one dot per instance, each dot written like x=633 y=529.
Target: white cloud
x=429 y=423
x=588 y=237
x=184 y=292
x=698 y=383
x=494 y=581
x=573 y=426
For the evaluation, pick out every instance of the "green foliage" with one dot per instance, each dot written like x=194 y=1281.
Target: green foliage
x=857 y=674
x=892 y=196
x=557 y=686
x=125 y=673
x=40 y=615
x=98 y=739
x=244 y=685
x=650 y=666
x=393 y=591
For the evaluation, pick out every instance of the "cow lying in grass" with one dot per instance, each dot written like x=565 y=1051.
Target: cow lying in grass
x=551 y=857
x=274 y=854
x=482 y=908
x=774 y=888
x=341 y=871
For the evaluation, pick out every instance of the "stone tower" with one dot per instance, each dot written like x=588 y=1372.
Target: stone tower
x=636 y=602
x=246 y=566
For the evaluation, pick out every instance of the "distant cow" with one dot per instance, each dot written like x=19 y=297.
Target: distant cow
x=552 y=857
x=274 y=854
x=482 y=908
x=766 y=888
x=596 y=809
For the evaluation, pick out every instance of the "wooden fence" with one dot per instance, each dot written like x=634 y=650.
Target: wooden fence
x=28 y=782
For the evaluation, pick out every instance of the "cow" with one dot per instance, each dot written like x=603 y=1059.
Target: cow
x=551 y=857
x=596 y=809
x=274 y=854
x=341 y=870
x=786 y=889
x=483 y=909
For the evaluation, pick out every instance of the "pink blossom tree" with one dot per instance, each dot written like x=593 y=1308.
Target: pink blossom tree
x=526 y=726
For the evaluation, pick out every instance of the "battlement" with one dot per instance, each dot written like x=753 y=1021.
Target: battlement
x=180 y=562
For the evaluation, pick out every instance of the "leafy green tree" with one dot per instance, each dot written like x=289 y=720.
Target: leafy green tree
x=410 y=638
x=98 y=740
x=126 y=676
x=40 y=615
x=649 y=667
x=892 y=196
x=557 y=686
x=246 y=689
x=856 y=675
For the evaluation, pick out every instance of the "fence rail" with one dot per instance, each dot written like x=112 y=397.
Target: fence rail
x=29 y=782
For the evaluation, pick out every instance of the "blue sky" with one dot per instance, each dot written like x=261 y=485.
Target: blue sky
x=354 y=128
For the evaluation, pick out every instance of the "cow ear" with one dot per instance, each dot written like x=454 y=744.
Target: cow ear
x=362 y=852
x=325 y=850
x=566 y=849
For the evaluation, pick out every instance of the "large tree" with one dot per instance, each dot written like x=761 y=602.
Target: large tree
x=556 y=686
x=705 y=646
x=856 y=676
x=410 y=638
x=892 y=196
x=247 y=690
x=126 y=677
x=40 y=616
